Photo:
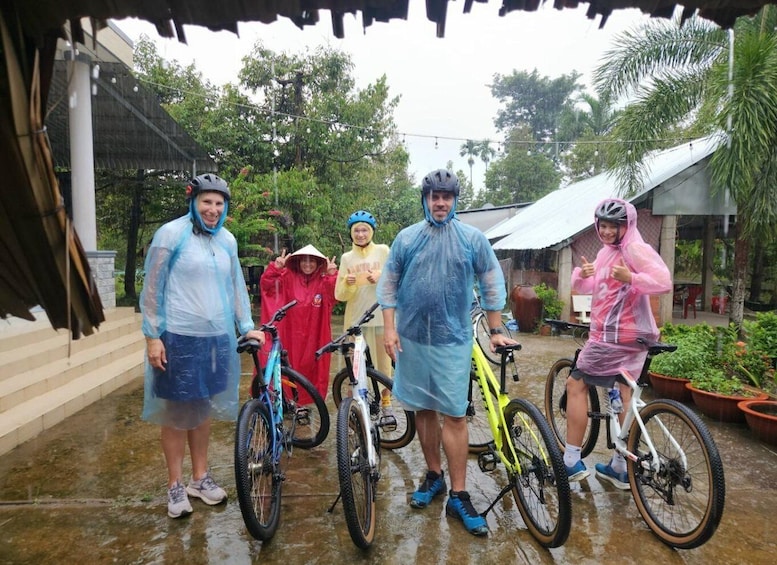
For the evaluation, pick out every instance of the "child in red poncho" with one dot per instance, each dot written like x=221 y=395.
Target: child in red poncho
x=308 y=277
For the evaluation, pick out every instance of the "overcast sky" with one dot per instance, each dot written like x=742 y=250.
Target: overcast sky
x=443 y=83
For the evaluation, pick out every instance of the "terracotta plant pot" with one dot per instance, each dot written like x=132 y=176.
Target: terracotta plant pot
x=673 y=388
x=761 y=418
x=720 y=407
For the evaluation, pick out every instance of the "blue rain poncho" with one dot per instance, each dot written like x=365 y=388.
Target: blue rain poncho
x=429 y=279
x=194 y=298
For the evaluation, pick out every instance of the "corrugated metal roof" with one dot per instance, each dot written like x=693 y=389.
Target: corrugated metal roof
x=566 y=212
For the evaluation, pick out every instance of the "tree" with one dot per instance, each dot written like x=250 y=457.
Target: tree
x=678 y=77
x=470 y=150
x=486 y=152
x=533 y=101
x=520 y=175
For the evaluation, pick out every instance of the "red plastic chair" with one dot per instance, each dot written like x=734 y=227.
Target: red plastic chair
x=690 y=294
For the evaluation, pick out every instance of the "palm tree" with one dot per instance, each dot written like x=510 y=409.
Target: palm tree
x=470 y=149
x=486 y=152
x=683 y=86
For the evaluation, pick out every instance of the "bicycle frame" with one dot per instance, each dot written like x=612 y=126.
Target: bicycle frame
x=359 y=387
x=618 y=434
x=495 y=413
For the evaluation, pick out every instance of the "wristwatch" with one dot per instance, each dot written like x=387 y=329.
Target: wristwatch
x=496 y=331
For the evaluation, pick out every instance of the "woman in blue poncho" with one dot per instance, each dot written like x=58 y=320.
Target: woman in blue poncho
x=425 y=291
x=194 y=299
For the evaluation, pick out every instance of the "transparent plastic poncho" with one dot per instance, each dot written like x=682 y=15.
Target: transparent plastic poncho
x=194 y=287
x=429 y=279
x=621 y=313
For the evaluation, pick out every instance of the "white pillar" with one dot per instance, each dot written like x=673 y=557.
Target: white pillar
x=667 y=251
x=81 y=148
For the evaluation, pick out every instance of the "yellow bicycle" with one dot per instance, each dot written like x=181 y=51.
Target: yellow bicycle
x=521 y=438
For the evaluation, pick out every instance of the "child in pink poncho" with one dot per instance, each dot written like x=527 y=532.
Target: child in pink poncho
x=620 y=280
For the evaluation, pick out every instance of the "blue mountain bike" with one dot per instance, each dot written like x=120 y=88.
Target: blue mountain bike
x=285 y=410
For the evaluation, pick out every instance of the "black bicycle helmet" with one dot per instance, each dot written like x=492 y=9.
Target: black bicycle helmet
x=612 y=211
x=441 y=180
x=362 y=216
x=208 y=182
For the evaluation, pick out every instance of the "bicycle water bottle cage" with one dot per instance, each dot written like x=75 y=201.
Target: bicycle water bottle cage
x=487 y=461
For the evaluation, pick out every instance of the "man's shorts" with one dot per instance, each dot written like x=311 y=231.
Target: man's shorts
x=197 y=367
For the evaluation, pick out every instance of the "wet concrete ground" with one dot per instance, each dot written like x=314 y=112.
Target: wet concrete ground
x=92 y=490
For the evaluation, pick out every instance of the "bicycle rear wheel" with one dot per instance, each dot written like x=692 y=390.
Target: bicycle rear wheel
x=309 y=424
x=354 y=473
x=483 y=337
x=556 y=411
x=257 y=476
x=478 y=428
x=683 y=502
x=397 y=426
x=541 y=490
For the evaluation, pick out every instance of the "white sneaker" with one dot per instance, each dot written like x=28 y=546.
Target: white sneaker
x=177 y=502
x=207 y=490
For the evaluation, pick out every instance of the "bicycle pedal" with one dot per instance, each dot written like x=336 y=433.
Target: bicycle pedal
x=487 y=461
x=388 y=423
x=302 y=416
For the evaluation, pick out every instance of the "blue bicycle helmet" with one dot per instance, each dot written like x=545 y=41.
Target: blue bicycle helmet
x=362 y=216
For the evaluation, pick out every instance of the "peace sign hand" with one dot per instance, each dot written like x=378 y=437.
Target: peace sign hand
x=331 y=265
x=280 y=261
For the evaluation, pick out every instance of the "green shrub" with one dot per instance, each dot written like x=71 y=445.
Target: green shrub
x=696 y=346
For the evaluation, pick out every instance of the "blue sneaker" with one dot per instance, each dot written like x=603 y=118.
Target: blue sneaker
x=460 y=506
x=577 y=472
x=618 y=480
x=433 y=484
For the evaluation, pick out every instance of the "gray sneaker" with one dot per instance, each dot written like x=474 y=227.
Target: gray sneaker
x=177 y=502
x=207 y=490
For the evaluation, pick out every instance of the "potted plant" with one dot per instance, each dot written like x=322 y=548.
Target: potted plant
x=761 y=418
x=718 y=395
x=552 y=307
x=669 y=372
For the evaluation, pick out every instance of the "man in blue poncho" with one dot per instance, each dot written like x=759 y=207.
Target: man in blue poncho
x=425 y=292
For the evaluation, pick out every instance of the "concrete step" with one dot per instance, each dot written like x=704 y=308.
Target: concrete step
x=45 y=377
x=16 y=333
x=60 y=371
x=47 y=346
x=28 y=419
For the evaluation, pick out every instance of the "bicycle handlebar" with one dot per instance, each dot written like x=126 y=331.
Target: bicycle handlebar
x=563 y=325
x=247 y=344
x=336 y=343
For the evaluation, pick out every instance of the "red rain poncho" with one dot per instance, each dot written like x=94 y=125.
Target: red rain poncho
x=308 y=325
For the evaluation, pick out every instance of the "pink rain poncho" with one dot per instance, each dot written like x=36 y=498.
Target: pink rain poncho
x=620 y=313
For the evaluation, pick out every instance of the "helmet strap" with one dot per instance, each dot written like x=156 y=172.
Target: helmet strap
x=199 y=225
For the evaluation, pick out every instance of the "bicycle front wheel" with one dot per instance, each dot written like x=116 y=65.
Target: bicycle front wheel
x=309 y=424
x=683 y=501
x=257 y=476
x=556 y=407
x=483 y=337
x=478 y=427
x=541 y=488
x=397 y=426
x=353 y=470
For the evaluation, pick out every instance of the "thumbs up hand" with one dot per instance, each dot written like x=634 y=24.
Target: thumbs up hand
x=621 y=272
x=586 y=268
